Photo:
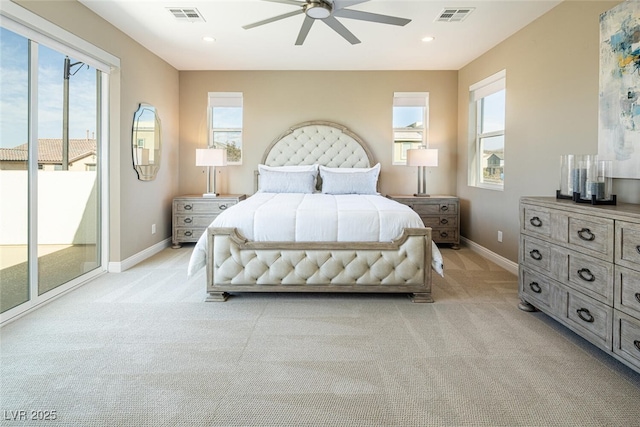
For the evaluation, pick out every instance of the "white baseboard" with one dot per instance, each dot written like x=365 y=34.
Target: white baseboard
x=510 y=266
x=119 y=267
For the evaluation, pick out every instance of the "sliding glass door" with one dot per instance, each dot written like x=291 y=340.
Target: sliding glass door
x=50 y=163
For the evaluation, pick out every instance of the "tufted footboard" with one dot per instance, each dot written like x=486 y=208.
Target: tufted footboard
x=238 y=265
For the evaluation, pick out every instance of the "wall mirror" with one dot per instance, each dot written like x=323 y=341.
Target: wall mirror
x=146 y=142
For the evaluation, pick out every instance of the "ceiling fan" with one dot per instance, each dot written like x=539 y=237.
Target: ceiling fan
x=327 y=11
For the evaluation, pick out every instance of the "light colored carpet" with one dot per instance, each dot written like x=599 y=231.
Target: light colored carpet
x=141 y=348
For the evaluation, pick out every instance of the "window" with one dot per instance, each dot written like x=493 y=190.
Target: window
x=487 y=126
x=225 y=124
x=410 y=112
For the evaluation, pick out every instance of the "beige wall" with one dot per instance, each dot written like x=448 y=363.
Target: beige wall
x=143 y=77
x=552 y=109
x=276 y=100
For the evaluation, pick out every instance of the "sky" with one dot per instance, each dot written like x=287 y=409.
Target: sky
x=14 y=90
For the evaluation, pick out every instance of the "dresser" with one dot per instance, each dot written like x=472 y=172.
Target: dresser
x=580 y=264
x=440 y=213
x=194 y=213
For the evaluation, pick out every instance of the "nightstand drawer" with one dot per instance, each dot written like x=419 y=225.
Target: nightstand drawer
x=209 y=207
x=188 y=235
x=202 y=220
x=444 y=235
x=434 y=208
x=438 y=221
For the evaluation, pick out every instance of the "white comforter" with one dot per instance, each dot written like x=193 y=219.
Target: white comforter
x=294 y=217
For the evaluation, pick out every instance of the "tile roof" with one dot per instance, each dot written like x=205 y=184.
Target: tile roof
x=50 y=151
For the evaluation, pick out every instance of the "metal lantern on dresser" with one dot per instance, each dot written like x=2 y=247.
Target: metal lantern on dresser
x=580 y=264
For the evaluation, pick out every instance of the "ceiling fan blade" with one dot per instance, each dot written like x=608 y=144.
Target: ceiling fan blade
x=304 y=30
x=371 y=17
x=275 y=18
x=339 y=4
x=291 y=2
x=341 y=29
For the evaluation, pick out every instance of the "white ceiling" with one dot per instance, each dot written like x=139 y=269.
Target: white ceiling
x=271 y=46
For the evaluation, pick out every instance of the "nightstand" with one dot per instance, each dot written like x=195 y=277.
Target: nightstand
x=192 y=215
x=441 y=213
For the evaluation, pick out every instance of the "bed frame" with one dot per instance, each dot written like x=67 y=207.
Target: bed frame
x=235 y=264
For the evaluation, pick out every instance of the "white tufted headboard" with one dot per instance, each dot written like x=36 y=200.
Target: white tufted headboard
x=325 y=143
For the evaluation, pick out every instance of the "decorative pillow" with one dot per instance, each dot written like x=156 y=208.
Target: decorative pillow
x=350 y=180
x=287 y=181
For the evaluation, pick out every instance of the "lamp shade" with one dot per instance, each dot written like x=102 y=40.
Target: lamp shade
x=422 y=157
x=211 y=157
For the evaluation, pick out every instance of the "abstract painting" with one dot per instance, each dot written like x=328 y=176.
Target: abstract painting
x=619 y=107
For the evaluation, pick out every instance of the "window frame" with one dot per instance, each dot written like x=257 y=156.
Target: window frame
x=410 y=99
x=477 y=93
x=225 y=100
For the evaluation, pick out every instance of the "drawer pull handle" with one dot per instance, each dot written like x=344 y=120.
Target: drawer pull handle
x=444 y=234
x=188 y=233
x=223 y=207
x=637 y=344
x=638 y=248
x=188 y=207
x=535 y=254
x=536 y=222
x=444 y=221
x=586 y=234
x=586 y=275
x=444 y=208
x=584 y=314
x=535 y=287
x=188 y=220
x=638 y=296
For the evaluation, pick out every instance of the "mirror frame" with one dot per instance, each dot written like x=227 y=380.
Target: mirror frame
x=146 y=129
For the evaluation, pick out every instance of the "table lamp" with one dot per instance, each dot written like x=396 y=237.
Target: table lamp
x=211 y=157
x=422 y=157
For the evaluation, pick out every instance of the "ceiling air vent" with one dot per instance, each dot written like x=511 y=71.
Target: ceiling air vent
x=454 y=14
x=186 y=14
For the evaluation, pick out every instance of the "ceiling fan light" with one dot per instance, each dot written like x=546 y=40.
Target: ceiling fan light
x=317 y=10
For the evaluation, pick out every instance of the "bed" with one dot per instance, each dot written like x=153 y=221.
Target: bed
x=372 y=244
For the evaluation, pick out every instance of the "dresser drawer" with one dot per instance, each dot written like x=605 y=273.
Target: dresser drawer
x=628 y=244
x=591 y=275
x=626 y=338
x=596 y=236
x=191 y=221
x=199 y=206
x=590 y=318
x=444 y=235
x=627 y=291
x=536 y=220
x=542 y=292
x=535 y=253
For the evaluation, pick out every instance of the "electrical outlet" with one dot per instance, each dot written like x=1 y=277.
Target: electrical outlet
x=153 y=229
x=500 y=236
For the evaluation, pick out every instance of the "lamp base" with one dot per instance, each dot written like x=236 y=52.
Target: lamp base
x=210 y=195
x=421 y=195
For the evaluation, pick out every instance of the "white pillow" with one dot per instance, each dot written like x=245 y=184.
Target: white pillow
x=350 y=180
x=287 y=182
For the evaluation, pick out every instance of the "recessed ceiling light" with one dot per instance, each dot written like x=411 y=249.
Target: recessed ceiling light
x=208 y=39
x=428 y=39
